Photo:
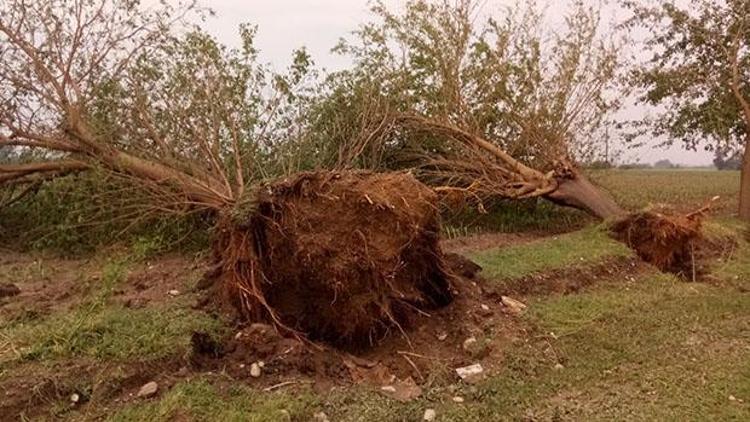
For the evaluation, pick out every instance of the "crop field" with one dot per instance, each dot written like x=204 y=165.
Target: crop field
x=603 y=336
x=640 y=188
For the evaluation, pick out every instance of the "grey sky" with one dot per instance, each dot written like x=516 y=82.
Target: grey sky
x=318 y=24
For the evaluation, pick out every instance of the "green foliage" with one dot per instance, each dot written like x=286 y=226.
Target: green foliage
x=587 y=246
x=80 y=213
x=693 y=47
x=512 y=217
x=539 y=94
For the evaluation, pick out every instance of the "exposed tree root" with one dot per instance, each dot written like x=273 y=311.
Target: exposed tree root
x=337 y=256
x=670 y=241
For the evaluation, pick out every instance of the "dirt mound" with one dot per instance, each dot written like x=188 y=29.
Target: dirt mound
x=338 y=256
x=671 y=241
x=477 y=328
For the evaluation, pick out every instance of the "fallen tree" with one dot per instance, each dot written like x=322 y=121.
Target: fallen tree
x=482 y=169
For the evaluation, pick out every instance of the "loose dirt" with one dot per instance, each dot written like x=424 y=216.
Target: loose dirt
x=428 y=350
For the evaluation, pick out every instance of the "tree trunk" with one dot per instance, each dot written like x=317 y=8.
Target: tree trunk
x=578 y=192
x=745 y=183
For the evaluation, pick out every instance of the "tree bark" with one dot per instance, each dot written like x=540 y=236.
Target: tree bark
x=745 y=182
x=578 y=192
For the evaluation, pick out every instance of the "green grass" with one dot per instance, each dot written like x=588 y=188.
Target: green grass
x=658 y=349
x=200 y=400
x=582 y=247
x=104 y=329
x=112 y=332
x=636 y=189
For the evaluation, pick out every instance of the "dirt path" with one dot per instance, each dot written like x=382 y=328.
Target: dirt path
x=465 y=244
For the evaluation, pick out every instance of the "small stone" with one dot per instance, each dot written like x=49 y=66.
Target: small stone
x=261 y=364
x=320 y=417
x=559 y=366
x=514 y=306
x=402 y=390
x=443 y=336
x=470 y=373
x=255 y=370
x=148 y=390
x=458 y=399
x=238 y=335
x=485 y=310
x=174 y=293
x=242 y=366
x=75 y=398
x=732 y=398
x=429 y=415
x=469 y=342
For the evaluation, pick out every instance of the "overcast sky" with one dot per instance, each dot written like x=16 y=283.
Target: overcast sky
x=285 y=25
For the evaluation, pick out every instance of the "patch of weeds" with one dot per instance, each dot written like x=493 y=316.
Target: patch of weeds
x=147 y=245
x=583 y=247
x=453 y=232
x=81 y=213
x=736 y=268
x=113 y=273
x=200 y=400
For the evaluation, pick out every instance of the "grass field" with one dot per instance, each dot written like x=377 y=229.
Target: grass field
x=632 y=346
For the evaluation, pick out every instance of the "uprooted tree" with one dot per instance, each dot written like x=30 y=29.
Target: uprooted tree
x=501 y=109
x=339 y=255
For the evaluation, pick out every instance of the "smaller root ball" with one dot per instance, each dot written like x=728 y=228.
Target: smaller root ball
x=668 y=241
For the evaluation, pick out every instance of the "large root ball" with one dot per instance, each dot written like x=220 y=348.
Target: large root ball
x=342 y=256
x=664 y=239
